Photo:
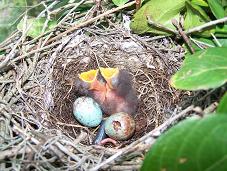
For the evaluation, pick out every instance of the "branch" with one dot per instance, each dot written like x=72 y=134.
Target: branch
x=183 y=35
x=209 y=24
x=77 y=26
x=160 y=26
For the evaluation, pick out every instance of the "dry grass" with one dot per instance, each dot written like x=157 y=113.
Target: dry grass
x=37 y=128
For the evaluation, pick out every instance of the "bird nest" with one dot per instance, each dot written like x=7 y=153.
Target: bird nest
x=150 y=73
x=38 y=130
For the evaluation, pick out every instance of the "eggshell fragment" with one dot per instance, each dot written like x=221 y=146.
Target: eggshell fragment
x=120 y=126
x=87 y=111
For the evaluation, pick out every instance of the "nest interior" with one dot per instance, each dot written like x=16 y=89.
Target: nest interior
x=150 y=68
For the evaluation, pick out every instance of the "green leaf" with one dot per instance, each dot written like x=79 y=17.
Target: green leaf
x=2 y=52
x=209 y=42
x=36 y=26
x=196 y=16
x=192 y=19
x=192 y=145
x=221 y=30
x=222 y=107
x=198 y=11
x=203 y=70
x=64 y=6
x=222 y=41
x=161 y=12
x=216 y=8
x=200 y=3
x=119 y=2
x=224 y=3
x=11 y=12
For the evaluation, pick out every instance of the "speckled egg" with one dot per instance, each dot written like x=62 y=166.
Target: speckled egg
x=120 y=126
x=87 y=111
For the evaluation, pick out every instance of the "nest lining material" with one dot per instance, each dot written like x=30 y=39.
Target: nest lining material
x=41 y=125
x=155 y=95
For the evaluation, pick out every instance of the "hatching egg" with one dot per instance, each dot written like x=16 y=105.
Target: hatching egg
x=120 y=126
x=87 y=111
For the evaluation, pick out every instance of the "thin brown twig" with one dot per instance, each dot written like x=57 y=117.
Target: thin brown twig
x=138 y=4
x=158 y=25
x=35 y=51
x=183 y=35
x=90 y=21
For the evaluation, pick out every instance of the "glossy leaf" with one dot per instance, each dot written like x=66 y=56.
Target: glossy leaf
x=36 y=26
x=203 y=70
x=217 y=8
x=191 y=145
x=196 y=16
x=161 y=12
x=120 y=2
x=199 y=11
x=222 y=107
x=200 y=3
x=193 y=17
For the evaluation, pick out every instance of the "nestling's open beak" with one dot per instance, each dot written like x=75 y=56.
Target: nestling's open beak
x=90 y=78
x=111 y=88
x=110 y=75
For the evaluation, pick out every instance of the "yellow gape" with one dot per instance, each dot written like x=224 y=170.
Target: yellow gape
x=89 y=76
x=111 y=88
x=110 y=75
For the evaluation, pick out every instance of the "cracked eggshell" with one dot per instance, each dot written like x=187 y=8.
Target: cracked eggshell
x=87 y=111
x=120 y=126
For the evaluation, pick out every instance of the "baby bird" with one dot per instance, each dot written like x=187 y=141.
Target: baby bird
x=111 y=88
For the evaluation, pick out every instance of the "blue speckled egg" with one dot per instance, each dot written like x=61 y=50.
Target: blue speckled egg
x=87 y=111
x=120 y=126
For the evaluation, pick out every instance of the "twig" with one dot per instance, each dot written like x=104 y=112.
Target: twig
x=13 y=50
x=7 y=41
x=35 y=51
x=67 y=152
x=211 y=108
x=138 y=4
x=183 y=35
x=73 y=9
x=158 y=25
x=192 y=30
x=200 y=44
x=13 y=152
x=129 y=167
x=150 y=47
x=209 y=24
x=90 y=21
x=216 y=40
x=66 y=32
x=150 y=134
